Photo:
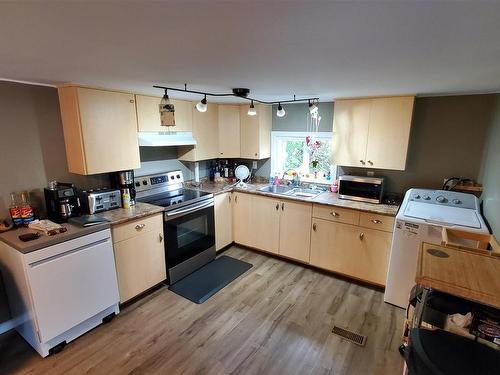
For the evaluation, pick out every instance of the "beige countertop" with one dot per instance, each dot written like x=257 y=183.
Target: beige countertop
x=122 y=215
x=11 y=237
x=326 y=198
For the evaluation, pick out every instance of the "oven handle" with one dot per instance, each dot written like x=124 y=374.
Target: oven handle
x=190 y=208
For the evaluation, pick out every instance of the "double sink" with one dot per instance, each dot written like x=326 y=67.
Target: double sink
x=291 y=191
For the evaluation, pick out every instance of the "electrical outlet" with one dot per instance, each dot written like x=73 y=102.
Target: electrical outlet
x=254 y=164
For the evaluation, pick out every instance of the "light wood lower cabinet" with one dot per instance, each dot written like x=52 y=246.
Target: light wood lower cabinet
x=223 y=220
x=350 y=250
x=242 y=223
x=139 y=255
x=295 y=232
x=265 y=219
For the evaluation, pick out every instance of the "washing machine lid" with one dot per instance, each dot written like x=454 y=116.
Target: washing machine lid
x=440 y=214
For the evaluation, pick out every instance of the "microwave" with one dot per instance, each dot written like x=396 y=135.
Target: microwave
x=363 y=189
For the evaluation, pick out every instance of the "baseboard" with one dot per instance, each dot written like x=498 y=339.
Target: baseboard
x=7 y=326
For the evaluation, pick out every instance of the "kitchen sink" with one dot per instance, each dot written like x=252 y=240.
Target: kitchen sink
x=276 y=189
x=305 y=193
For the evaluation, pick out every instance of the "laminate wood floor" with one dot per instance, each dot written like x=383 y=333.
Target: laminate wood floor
x=275 y=319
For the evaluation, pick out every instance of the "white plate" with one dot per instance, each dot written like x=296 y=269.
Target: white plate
x=242 y=172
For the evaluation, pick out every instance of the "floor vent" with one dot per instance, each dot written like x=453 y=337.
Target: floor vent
x=354 y=337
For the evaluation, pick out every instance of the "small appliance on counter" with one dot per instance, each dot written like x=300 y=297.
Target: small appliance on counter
x=62 y=201
x=363 y=189
x=99 y=200
x=124 y=181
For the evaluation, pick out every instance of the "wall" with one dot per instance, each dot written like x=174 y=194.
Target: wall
x=32 y=144
x=490 y=174
x=447 y=139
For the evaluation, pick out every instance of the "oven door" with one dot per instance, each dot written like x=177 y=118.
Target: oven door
x=189 y=239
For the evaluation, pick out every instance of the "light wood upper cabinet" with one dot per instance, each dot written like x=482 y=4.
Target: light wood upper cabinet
x=351 y=250
x=350 y=132
x=148 y=114
x=100 y=129
x=389 y=132
x=229 y=131
x=295 y=232
x=223 y=220
x=205 y=131
x=139 y=255
x=243 y=232
x=373 y=132
x=256 y=132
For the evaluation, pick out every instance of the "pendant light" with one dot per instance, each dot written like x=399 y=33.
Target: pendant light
x=165 y=100
x=313 y=109
x=202 y=105
x=252 y=111
x=280 y=112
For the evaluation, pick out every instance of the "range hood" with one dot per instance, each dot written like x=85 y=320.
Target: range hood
x=157 y=139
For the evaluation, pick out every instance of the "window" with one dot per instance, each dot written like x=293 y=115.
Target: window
x=289 y=150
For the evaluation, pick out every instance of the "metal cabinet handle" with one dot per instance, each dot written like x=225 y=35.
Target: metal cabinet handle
x=229 y=198
x=361 y=236
x=375 y=221
x=282 y=206
x=334 y=213
x=370 y=162
x=277 y=206
x=236 y=199
x=256 y=154
x=362 y=162
x=140 y=226
x=161 y=237
x=314 y=227
x=132 y=101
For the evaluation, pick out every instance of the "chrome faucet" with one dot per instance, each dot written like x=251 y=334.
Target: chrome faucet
x=296 y=178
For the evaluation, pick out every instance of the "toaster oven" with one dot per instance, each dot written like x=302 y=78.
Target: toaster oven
x=363 y=189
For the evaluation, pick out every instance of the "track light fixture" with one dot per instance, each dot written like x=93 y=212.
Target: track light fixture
x=242 y=93
x=202 y=105
x=252 y=111
x=165 y=100
x=280 y=112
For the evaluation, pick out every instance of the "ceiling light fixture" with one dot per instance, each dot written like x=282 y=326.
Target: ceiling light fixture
x=165 y=100
x=242 y=93
x=280 y=112
x=202 y=105
x=313 y=108
x=252 y=111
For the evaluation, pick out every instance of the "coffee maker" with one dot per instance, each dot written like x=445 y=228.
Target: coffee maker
x=62 y=201
x=124 y=180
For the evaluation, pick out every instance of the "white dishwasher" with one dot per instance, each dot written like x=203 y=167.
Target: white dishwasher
x=59 y=292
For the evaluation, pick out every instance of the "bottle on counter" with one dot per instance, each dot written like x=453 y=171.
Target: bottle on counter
x=27 y=214
x=217 y=171
x=226 y=170
x=15 y=209
x=211 y=175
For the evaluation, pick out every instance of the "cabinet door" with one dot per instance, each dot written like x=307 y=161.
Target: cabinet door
x=140 y=260
x=350 y=132
x=205 y=131
x=223 y=220
x=256 y=132
x=335 y=246
x=265 y=219
x=375 y=248
x=148 y=115
x=295 y=230
x=389 y=132
x=229 y=131
x=100 y=130
x=242 y=222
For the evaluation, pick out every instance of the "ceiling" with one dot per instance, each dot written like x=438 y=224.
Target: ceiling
x=276 y=48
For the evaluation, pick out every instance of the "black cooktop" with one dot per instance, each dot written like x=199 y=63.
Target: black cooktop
x=180 y=197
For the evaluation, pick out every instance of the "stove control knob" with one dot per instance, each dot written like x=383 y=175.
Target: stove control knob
x=417 y=196
x=456 y=201
x=426 y=197
x=178 y=176
x=144 y=182
x=172 y=177
x=137 y=184
x=441 y=199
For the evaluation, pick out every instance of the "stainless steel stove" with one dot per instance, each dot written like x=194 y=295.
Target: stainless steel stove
x=188 y=221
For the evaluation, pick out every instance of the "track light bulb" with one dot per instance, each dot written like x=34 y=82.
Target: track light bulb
x=313 y=109
x=165 y=100
x=280 y=112
x=202 y=105
x=252 y=111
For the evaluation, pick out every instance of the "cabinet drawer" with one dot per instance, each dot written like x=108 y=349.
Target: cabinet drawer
x=134 y=228
x=337 y=214
x=375 y=221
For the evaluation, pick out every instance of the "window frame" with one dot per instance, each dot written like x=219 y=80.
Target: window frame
x=276 y=136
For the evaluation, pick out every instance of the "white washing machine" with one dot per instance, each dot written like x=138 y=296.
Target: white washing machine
x=421 y=218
